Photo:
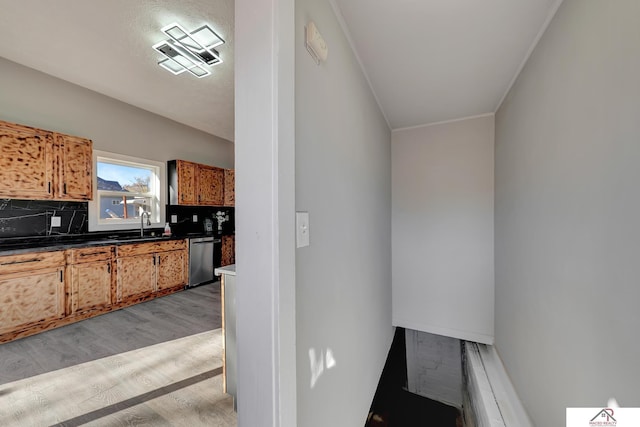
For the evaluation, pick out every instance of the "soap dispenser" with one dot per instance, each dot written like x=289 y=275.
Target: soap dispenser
x=167 y=230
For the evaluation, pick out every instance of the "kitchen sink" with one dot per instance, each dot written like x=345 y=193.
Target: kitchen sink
x=133 y=238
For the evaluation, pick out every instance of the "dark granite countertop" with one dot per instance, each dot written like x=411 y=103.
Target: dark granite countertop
x=20 y=245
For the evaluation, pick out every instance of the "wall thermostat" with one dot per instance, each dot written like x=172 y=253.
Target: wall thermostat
x=315 y=44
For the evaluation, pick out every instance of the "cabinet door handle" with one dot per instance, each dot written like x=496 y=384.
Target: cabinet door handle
x=21 y=262
x=154 y=260
x=91 y=253
x=109 y=267
x=49 y=190
x=61 y=278
x=159 y=259
x=65 y=188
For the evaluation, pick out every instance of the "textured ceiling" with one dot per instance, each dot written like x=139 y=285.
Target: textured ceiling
x=105 y=45
x=427 y=60
x=436 y=60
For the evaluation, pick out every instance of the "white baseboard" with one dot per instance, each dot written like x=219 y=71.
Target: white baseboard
x=490 y=400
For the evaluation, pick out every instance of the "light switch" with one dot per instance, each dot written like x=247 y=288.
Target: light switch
x=195 y=218
x=302 y=229
x=55 y=221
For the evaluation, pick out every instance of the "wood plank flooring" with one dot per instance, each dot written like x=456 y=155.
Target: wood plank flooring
x=156 y=363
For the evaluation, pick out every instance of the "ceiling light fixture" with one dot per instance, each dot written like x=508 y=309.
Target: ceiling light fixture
x=193 y=52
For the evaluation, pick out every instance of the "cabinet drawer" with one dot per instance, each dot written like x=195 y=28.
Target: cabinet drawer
x=31 y=261
x=150 y=247
x=100 y=253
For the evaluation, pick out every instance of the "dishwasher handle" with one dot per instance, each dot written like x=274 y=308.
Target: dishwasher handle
x=200 y=240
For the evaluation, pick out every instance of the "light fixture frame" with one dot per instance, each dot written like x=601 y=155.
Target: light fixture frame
x=197 y=54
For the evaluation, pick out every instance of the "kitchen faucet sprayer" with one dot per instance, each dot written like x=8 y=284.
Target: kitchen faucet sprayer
x=142 y=222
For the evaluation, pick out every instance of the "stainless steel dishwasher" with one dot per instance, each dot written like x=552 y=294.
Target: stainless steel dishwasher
x=201 y=260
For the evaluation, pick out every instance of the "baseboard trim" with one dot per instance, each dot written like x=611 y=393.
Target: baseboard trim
x=490 y=399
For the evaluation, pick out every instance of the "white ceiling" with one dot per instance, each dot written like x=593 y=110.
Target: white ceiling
x=437 y=60
x=105 y=45
x=426 y=60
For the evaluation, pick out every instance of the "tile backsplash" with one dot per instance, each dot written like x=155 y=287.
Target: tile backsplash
x=22 y=218
x=185 y=223
x=26 y=218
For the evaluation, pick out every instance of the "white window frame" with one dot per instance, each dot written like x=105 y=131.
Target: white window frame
x=159 y=202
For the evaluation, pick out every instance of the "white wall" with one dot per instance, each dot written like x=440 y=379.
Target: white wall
x=568 y=214
x=36 y=99
x=443 y=276
x=343 y=279
x=434 y=367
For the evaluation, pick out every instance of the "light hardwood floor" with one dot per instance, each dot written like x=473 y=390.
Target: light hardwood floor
x=157 y=363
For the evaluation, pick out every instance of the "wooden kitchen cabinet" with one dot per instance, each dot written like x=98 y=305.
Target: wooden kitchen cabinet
x=45 y=290
x=136 y=276
x=229 y=187
x=26 y=162
x=90 y=276
x=172 y=269
x=147 y=268
x=228 y=250
x=182 y=177
x=195 y=184
x=209 y=185
x=76 y=164
x=43 y=165
x=32 y=290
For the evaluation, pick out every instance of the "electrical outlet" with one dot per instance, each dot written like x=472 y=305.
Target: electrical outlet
x=174 y=219
x=195 y=218
x=56 y=221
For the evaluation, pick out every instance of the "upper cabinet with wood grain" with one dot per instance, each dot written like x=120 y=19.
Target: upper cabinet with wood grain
x=195 y=184
x=75 y=164
x=43 y=165
x=182 y=187
x=26 y=162
x=229 y=187
x=210 y=185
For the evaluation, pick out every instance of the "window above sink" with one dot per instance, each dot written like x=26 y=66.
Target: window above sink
x=125 y=188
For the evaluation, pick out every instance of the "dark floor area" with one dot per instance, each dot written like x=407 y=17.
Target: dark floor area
x=174 y=316
x=393 y=406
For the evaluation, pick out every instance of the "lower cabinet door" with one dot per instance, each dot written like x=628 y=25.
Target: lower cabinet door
x=90 y=286
x=136 y=276
x=172 y=269
x=228 y=250
x=30 y=297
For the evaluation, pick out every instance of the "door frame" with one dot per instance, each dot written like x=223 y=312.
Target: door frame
x=265 y=212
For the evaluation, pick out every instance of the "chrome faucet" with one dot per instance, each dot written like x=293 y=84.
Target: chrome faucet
x=142 y=222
